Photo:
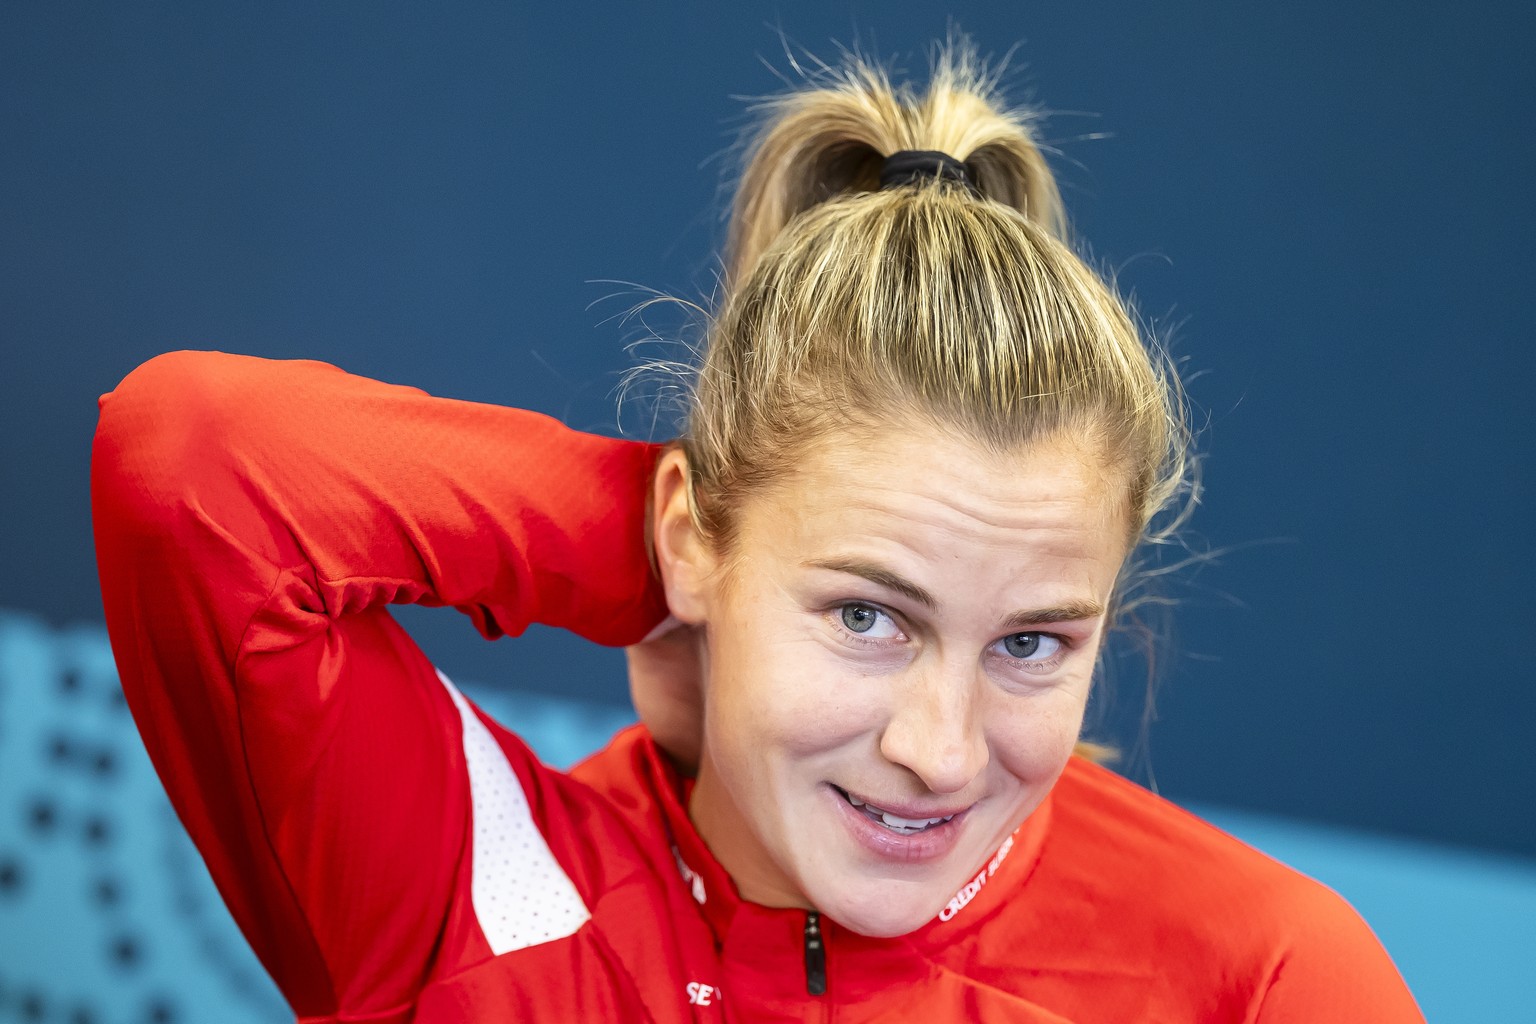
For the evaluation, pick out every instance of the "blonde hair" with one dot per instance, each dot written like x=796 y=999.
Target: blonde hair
x=847 y=303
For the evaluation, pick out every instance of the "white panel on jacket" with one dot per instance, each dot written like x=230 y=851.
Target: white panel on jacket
x=521 y=895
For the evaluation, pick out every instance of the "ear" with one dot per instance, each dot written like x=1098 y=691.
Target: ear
x=686 y=559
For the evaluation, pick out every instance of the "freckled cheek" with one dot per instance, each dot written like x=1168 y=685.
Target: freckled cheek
x=1032 y=744
x=788 y=697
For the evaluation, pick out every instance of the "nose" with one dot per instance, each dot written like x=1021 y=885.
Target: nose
x=935 y=728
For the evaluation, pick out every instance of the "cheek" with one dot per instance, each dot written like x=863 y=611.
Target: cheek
x=1032 y=738
x=1031 y=741
x=768 y=695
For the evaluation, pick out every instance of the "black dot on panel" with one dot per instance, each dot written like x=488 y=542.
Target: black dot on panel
x=107 y=892
x=161 y=1011
x=69 y=681
x=31 y=1006
x=104 y=763
x=42 y=816
x=13 y=877
x=116 y=700
x=125 y=952
x=98 y=830
x=59 y=748
x=82 y=1015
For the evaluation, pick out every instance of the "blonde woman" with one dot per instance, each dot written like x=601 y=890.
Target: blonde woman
x=924 y=442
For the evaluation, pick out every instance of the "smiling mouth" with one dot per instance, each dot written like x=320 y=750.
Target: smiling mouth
x=894 y=822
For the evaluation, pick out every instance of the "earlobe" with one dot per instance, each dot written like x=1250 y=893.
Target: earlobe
x=684 y=557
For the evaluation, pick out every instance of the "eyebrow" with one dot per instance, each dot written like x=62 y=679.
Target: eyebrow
x=878 y=576
x=1072 y=611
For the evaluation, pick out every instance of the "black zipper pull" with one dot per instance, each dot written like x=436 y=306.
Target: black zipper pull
x=815 y=956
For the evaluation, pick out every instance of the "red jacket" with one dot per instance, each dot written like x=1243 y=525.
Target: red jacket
x=394 y=855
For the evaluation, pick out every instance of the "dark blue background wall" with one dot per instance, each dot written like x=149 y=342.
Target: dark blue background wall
x=1329 y=201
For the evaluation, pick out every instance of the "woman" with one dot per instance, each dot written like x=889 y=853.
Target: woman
x=924 y=443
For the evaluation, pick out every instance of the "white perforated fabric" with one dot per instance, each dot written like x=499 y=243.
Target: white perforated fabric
x=521 y=896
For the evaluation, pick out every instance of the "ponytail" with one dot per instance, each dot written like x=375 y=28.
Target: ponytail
x=831 y=140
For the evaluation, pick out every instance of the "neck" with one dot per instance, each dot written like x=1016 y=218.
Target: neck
x=735 y=844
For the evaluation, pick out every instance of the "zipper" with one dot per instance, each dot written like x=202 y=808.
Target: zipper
x=815 y=956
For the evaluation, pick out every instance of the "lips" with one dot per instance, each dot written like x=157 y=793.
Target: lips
x=900 y=820
x=901 y=824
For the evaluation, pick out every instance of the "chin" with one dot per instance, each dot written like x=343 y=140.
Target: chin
x=881 y=911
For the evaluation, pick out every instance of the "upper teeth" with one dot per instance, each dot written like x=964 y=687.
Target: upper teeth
x=895 y=820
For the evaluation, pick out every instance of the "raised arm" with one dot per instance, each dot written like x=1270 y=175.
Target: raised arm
x=252 y=520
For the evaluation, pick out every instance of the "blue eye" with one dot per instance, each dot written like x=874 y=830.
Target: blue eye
x=859 y=618
x=867 y=621
x=1031 y=646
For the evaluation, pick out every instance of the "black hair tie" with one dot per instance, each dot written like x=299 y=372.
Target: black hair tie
x=914 y=166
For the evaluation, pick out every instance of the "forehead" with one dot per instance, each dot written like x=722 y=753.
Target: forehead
x=917 y=491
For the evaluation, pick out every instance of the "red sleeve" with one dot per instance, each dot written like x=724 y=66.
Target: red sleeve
x=252 y=520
